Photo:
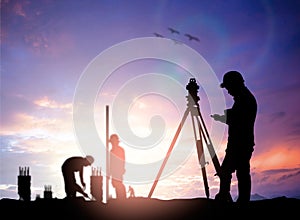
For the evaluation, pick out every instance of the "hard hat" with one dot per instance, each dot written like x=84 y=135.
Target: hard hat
x=232 y=78
x=90 y=159
x=113 y=136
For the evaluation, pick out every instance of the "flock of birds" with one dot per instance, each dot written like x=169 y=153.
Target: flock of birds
x=174 y=31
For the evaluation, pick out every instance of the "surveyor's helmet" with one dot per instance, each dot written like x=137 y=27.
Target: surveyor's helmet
x=90 y=159
x=232 y=78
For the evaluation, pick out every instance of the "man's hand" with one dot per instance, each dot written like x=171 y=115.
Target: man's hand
x=85 y=195
x=217 y=117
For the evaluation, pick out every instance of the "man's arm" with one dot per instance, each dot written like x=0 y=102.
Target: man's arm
x=80 y=190
x=81 y=177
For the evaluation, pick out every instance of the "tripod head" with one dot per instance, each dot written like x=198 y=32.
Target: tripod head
x=192 y=88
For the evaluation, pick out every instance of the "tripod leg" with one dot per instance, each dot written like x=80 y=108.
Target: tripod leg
x=202 y=164
x=169 y=152
x=208 y=142
x=201 y=158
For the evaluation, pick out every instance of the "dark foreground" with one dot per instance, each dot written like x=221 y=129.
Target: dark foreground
x=146 y=209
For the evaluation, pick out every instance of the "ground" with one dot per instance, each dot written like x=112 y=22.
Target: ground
x=147 y=209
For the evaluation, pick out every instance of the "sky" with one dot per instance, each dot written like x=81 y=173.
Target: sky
x=64 y=62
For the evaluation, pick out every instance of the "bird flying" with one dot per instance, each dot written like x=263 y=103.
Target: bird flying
x=192 y=37
x=158 y=35
x=173 y=31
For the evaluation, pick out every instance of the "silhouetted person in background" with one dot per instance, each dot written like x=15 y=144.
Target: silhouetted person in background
x=69 y=168
x=240 y=144
x=117 y=166
x=131 y=192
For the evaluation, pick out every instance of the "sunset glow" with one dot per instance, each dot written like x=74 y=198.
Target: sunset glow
x=63 y=62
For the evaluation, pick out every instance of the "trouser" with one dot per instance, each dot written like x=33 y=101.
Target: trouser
x=71 y=187
x=120 y=188
x=239 y=163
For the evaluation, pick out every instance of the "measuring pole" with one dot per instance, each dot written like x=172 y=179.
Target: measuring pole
x=107 y=153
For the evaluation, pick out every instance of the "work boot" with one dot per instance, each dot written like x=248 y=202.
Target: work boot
x=242 y=203
x=224 y=197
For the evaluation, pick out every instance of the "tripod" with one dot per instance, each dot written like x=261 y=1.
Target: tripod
x=200 y=134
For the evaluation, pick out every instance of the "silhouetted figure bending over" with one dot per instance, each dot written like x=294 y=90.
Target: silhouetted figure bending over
x=69 y=167
x=117 y=166
x=240 y=144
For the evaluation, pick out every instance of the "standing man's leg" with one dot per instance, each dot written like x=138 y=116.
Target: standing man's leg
x=120 y=189
x=225 y=179
x=70 y=181
x=244 y=178
x=244 y=186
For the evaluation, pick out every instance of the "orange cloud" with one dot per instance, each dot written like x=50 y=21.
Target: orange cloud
x=278 y=157
x=47 y=103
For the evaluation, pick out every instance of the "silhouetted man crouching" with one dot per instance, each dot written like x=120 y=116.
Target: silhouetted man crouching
x=69 y=167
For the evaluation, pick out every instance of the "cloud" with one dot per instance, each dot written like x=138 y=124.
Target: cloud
x=43 y=156
x=295 y=129
x=8 y=191
x=39 y=142
x=29 y=24
x=52 y=104
x=8 y=144
x=277 y=115
x=37 y=42
x=21 y=115
x=187 y=181
x=277 y=157
x=289 y=176
x=18 y=8
x=277 y=182
x=11 y=105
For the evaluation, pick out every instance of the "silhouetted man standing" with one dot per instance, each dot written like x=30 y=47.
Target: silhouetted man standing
x=69 y=167
x=240 y=120
x=117 y=166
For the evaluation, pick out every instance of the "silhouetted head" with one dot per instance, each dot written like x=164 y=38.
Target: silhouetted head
x=114 y=139
x=232 y=78
x=232 y=81
x=90 y=159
